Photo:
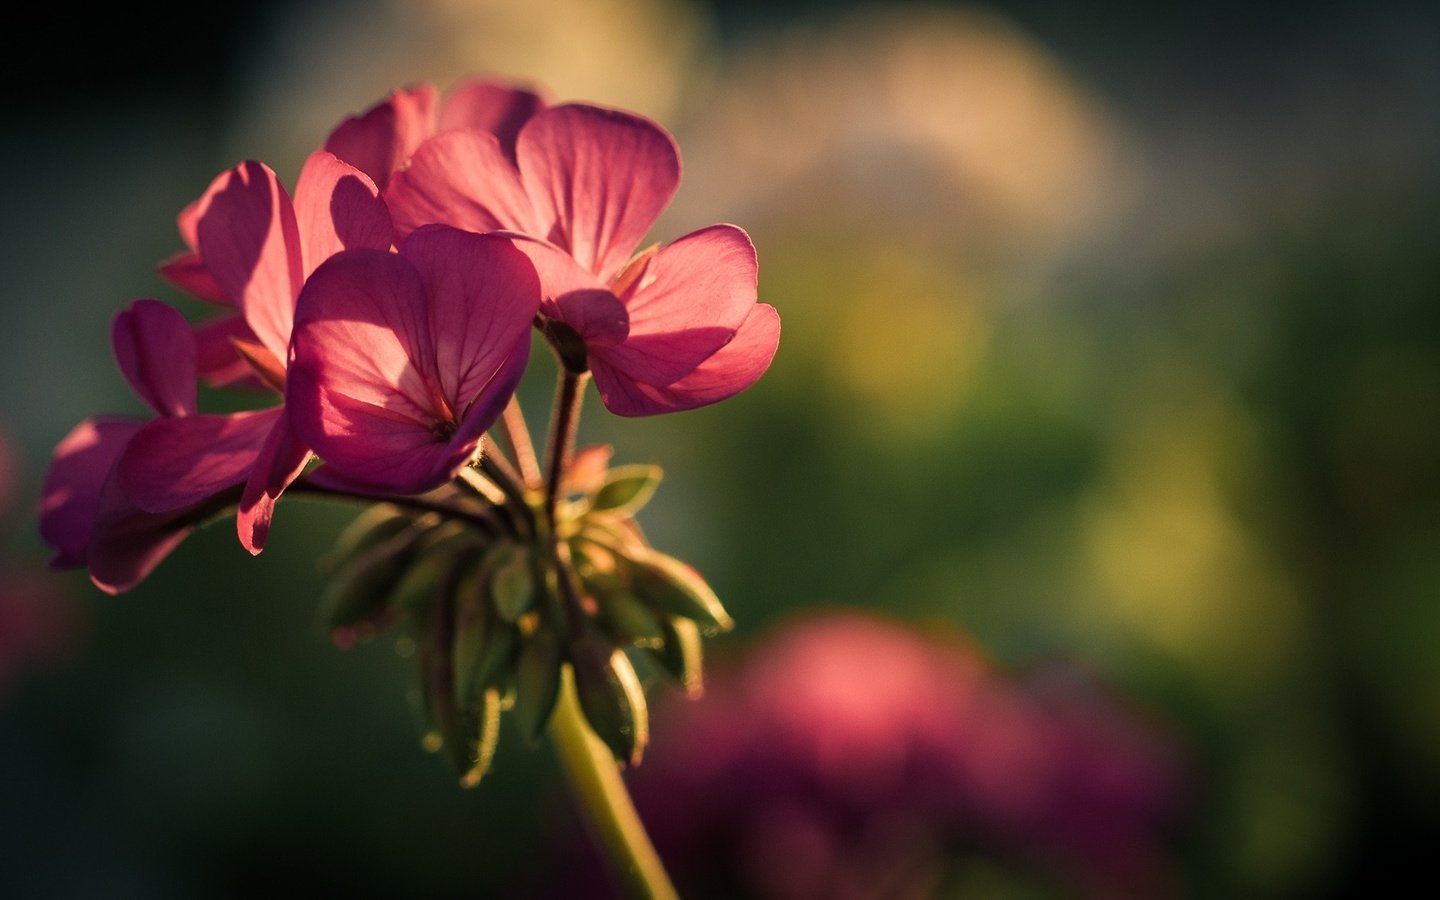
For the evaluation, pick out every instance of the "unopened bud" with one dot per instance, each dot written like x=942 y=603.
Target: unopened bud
x=611 y=697
x=537 y=682
x=672 y=587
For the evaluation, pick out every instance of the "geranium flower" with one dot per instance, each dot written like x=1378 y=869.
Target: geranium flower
x=671 y=328
x=381 y=140
x=403 y=360
x=254 y=247
x=184 y=466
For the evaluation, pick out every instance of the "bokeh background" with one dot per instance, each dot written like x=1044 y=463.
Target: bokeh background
x=1110 y=336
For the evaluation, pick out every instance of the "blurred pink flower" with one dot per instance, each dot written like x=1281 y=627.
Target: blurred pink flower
x=403 y=360
x=39 y=623
x=852 y=758
x=671 y=328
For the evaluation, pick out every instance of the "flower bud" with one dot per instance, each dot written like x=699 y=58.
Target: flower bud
x=681 y=654
x=611 y=697
x=670 y=586
x=537 y=682
x=356 y=603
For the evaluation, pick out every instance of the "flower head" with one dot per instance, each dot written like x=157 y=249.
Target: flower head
x=670 y=328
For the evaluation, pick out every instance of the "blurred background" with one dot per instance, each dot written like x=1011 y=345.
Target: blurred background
x=1110 y=347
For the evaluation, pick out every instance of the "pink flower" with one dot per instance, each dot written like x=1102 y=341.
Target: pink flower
x=674 y=327
x=402 y=361
x=382 y=139
x=848 y=756
x=122 y=493
x=252 y=247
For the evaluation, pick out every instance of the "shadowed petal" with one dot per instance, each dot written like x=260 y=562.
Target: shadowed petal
x=686 y=304
x=381 y=139
x=362 y=330
x=731 y=370
x=78 y=470
x=186 y=270
x=598 y=179
x=129 y=543
x=361 y=390
x=155 y=350
x=402 y=361
x=218 y=362
x=485 y=105
x=250 y=242
x=175 y=463
x=460 y=178
x=483 y=295
x=369 y=445
x=337 y=208
x=576 y=296
x=281 y=461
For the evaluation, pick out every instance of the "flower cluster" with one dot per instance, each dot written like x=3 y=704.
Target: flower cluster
x=387 y=303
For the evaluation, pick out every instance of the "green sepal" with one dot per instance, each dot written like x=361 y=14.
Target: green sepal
x=611 y=697
x=513 y=585
x=482 y=737
x=376 y=524
x=628 y=620
x=672 y=587
x=682 y=655
x=356 y=602
x=627 y=489
x=537 y=682
x=484 y=645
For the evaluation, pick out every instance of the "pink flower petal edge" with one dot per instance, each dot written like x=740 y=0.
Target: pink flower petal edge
x=732 y=369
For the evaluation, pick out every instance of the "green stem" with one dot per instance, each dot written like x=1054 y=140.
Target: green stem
x=518 y=434
x=605 y=803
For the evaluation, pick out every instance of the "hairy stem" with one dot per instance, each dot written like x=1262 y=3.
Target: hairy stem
x=517 y=433
x=564 y=423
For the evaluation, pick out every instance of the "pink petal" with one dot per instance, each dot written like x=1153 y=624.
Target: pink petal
x=393 y=387
x=381 y=139
x=362 y=329
x=78 y=470
x=484 y=105
x=598 y=179
x=129 y=543
x=156 y=353
x=175 y=463
x=687 y=304
x=483 y=295
x=219 y=363
x=186 y=270
x=460 y=178
x=361 y=389
x=188 y=221
x=336 y=208
x=281 y=461
x=250 y=242
x=733 y=368
x=576 y=296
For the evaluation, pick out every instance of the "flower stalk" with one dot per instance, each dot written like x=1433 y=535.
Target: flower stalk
x=595 y=780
